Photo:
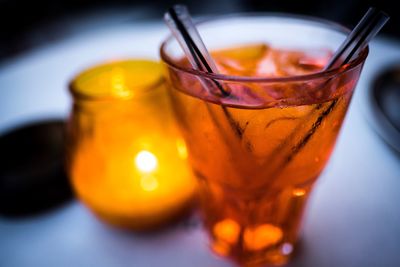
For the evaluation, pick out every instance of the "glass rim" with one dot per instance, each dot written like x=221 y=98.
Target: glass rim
x=295 y=78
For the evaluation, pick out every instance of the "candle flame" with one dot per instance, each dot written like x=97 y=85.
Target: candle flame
x=145 y=161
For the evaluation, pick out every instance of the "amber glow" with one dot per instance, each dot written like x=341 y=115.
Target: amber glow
x=298 y=192
x=227 y=230
x=262 y=236
x=129 y=162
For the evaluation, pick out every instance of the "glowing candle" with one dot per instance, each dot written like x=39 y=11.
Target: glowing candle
x=127 y=161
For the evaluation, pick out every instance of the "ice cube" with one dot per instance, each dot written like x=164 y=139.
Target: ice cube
x=281 y=62
x=268 y=66
x=241 y=61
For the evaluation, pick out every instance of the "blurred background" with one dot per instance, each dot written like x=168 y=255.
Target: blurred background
x=27 y=24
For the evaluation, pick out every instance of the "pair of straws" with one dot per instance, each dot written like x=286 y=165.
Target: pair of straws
x=180 y=23
x=182 y=27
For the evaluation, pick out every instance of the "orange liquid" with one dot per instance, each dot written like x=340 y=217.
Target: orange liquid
x=256 y=166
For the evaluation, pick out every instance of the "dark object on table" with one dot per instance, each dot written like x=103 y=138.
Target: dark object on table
x=32 y=175
x=385 y=101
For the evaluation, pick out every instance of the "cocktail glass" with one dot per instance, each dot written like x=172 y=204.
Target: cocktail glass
x=258 y=151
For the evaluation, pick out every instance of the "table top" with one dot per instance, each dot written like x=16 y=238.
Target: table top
x=353 y=218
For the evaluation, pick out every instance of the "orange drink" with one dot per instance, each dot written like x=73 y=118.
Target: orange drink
x=258 y=151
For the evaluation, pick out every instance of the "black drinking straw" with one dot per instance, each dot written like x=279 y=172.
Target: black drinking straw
x=193 y=48
x=180 y=23
x=371 y=23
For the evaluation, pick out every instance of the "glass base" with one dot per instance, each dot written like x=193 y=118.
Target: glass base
x=276 y=256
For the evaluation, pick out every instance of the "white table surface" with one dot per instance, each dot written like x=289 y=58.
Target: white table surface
x=353 y=218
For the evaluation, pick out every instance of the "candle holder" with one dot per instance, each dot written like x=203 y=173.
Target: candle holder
x=126 y=158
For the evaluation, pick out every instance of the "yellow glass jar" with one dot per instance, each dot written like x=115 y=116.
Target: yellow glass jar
x=126 y=159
